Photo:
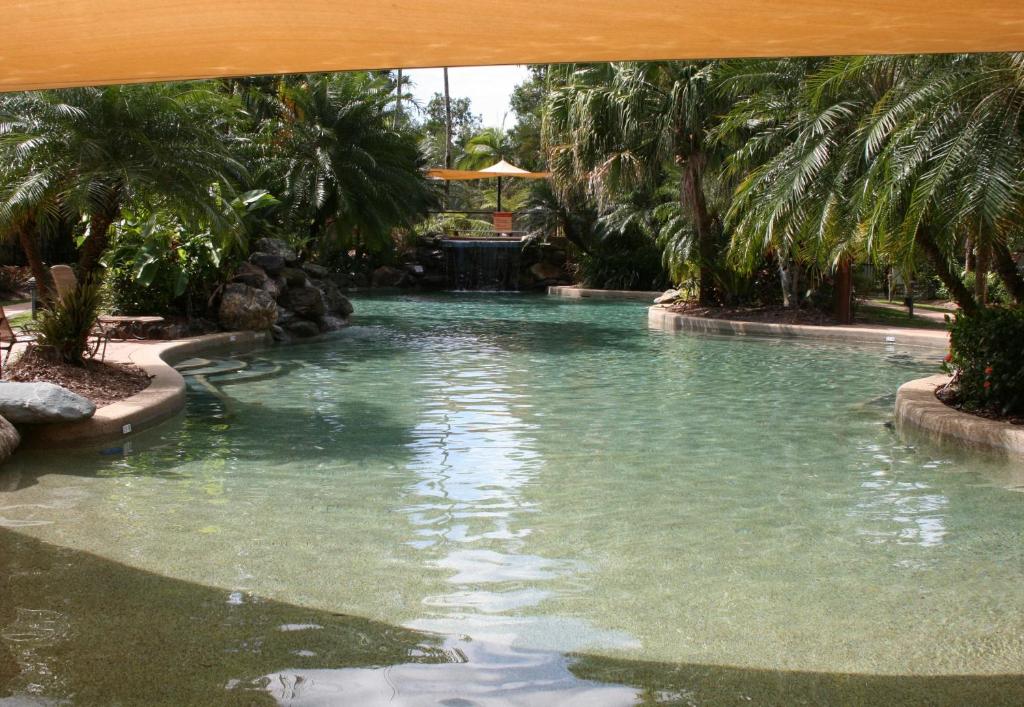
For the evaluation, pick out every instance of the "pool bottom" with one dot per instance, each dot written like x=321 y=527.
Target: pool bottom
x=91 y=631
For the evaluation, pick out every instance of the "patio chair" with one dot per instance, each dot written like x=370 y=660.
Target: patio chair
x=9 y=338
x=64 y=278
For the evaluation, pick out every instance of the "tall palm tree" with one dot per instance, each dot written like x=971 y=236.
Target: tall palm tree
x=620 y=126
x=344 y=170
x=91 y=150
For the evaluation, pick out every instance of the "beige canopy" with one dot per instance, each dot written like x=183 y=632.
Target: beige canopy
x=51 y=43
x=497 y=170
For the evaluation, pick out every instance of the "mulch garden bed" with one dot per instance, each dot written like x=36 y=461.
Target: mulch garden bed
x=102 y=383
x=948 y=396
x=771 y=315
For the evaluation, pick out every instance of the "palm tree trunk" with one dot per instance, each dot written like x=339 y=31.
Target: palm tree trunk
x=981 y=267
x=28 y=236
x=398 y=99
x=447 y=135
x=692 y=198
x=957 y=288
x=1008 y=272
x=95 y=244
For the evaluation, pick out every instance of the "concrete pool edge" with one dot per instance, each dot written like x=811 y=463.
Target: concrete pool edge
x=661 y=318
x=574 y=292
x=162 y=399
x=918 y=410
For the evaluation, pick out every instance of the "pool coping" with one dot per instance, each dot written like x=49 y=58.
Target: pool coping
x=575 y=292
x=918 y=410
x=661 y=318
x=161 y=400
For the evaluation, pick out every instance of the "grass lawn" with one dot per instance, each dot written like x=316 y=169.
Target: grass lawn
x=20 y=320
x=867 y=314
x=940 y=308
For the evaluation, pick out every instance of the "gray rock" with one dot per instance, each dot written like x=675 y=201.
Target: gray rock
x=302 y=328
x=278 y=333
x=337 y=303
x=32 y=403
x=275 y=246
x=667 y=296
x=317 y=272
x=293 y=277
x=251 y=275
x=272 y=287
x=332 y=323
x=9 y=439
x=387 y=276
x=546 y=271
x=307 y=302
x=272 y=263
x=244 y=308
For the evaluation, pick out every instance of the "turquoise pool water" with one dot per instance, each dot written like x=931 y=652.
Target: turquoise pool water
x=512 y=499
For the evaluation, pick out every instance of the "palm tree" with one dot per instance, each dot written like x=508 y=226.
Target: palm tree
x=627 y=125
x=347 y=174
x=91 y=150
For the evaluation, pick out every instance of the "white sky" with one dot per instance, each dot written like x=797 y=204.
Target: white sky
x=487 y=87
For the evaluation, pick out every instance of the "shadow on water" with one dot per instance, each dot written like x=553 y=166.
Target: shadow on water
x=76 y=627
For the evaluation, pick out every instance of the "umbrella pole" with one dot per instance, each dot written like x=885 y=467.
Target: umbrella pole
x=499 y=193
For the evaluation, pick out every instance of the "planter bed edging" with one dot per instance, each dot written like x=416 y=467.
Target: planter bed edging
x=162 y=399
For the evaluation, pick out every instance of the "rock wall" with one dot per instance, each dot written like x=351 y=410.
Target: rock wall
x=275 y=290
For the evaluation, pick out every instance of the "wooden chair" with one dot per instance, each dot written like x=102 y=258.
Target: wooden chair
x=9 y=338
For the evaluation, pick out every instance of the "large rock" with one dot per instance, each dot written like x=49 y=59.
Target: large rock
x=9 y=439
x=275 y=246
x=317 y=272
x=337 y=303
x=272 y=263
x=546 y=271
x=244 y=308
x=32 y=403
x=302 y=328
x=667 y=296
x=307 y=302
x=294 y=277
x=387 y=276
x=251 y=275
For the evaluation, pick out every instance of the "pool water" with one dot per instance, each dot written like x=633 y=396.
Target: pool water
x=468 y=499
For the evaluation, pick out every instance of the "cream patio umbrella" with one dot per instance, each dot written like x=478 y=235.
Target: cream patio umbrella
x=499 y=170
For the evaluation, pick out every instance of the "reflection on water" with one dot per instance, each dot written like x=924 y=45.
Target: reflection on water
x=552 y=503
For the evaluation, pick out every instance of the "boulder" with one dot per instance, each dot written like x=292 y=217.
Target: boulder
x=666 y=297
x=275 y=246
x=546 y=271
x=251 y=275
x=387 y=276
x=302 y=328
x=32 y=403
x=307 y=302
x=337 y=303
x=272 y=287
x=9 y=439
x=285 y=316
x=317 y=272
x=293 y=277
x=271 y=263
x=332 y=323
x=278 y=333
x=244 y=308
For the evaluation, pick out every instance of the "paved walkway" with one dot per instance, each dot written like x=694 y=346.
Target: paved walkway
x=918 y=312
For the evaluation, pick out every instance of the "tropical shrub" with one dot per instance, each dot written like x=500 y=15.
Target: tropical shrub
x=987 y=359
x=13 y=279
x=64 y=327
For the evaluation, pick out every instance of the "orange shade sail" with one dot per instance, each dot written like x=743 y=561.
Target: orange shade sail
x=53 y=43
x=500 y=169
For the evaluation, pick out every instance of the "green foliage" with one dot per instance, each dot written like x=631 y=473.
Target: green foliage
x=987 y=359
x=156 y=265
x=64 y=327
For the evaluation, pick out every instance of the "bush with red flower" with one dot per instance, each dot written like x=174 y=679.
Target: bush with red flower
x=986 y=359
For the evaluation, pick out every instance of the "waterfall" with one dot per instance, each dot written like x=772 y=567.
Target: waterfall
x=489 y=265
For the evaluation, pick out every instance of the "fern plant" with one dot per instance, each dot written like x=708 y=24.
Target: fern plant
x=65 y=326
